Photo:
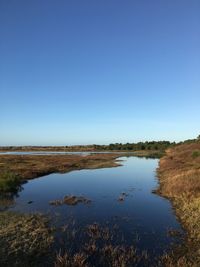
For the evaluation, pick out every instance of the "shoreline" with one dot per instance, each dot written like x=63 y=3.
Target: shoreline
x=33 y=166
x=179 y=182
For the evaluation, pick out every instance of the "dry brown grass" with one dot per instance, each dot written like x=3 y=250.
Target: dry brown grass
x=24 y=239
x=179 y=172
x=179 y=176
x=70 y=200
x=32 y=166
x=66 y=260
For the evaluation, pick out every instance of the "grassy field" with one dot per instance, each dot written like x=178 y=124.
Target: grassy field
x=179 y=176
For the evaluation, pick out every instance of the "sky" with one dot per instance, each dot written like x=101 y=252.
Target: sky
x=85 y=72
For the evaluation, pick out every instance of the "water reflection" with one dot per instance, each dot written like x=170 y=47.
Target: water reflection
x=7 y=200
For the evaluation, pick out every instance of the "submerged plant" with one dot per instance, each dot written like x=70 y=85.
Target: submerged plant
x=98 y=246
x=66 y=260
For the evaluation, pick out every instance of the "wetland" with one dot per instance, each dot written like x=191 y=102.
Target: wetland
x=100 y=202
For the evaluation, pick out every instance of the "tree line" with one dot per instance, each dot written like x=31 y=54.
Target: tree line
x=148 y=145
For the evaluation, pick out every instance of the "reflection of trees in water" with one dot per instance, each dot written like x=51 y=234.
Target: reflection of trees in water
x=8 y=199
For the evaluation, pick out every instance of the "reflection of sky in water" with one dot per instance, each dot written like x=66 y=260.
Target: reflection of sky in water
x=143 y=212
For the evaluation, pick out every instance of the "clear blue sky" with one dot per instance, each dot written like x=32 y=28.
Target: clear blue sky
x=83 y=72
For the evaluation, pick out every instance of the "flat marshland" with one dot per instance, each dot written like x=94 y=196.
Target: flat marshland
x=33 y=166
x=81 y=211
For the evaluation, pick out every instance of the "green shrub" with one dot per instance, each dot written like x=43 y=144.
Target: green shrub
x=9 y=182
x=196 y=153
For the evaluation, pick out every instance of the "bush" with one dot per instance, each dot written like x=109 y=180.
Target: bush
x=196 y=153
x=9 y=182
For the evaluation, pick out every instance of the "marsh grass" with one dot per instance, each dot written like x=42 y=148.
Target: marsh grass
x=24 y=239
x=9 y=182
x=70 y=200
x=98 y=246
x=33 y=166
x=179 y=176
x=28 y=241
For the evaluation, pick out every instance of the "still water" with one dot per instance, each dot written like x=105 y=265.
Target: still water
x=142 y=213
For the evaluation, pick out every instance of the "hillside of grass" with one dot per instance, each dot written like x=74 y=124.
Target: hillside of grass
x=179 y=176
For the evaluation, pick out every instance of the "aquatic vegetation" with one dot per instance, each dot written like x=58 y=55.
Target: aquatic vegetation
x=70 y=200
x=66 y=260
x=99 y=246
